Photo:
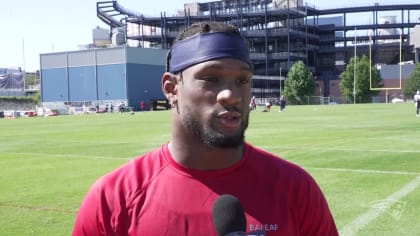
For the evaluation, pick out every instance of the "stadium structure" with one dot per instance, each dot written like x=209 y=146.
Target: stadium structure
x=279 y=33
x=12 y=82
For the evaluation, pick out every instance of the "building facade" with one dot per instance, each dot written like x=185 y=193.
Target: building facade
x=102 y=77
x=281 y=32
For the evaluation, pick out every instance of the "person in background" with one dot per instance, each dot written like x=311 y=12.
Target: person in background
x=282 y=103
x=253 y=104
x=121 y=107
x=268 y=105
x=143 y=105
x=171 y=190
x=111 y=108
x=417 y=102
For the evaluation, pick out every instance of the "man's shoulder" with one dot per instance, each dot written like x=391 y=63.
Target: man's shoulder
x=136 y=172
x=270 y=162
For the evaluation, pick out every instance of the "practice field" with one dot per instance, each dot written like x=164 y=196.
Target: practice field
x=366 y=159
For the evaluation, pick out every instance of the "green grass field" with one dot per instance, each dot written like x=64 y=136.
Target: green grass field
x=366 y=159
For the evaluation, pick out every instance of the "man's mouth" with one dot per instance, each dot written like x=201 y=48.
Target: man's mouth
x=230 y=119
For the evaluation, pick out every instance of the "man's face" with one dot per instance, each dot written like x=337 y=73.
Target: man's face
x=213 y=100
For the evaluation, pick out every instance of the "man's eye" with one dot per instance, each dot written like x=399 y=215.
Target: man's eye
x=243 y=81
x=210 y=79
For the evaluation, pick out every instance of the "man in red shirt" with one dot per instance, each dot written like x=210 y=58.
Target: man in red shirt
x=142 y=105
x=171 y=190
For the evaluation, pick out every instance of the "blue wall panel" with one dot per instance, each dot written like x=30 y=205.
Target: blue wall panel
x=54 y=85
x=144 y=83
x=111 y=82
x=82 y=83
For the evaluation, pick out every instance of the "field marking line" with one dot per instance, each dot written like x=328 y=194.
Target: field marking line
x=338 y=149
x=364 y=219
x=386 y=172
x=35 y=208
x=71 y=156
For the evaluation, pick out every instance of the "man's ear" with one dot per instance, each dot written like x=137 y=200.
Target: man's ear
x=169 y=87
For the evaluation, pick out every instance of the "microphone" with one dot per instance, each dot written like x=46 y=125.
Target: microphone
x=229 y=217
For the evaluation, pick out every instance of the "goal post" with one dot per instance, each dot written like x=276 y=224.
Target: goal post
x=370 y=67
x=370 y=70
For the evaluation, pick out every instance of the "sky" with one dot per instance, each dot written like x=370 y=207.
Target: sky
x=30 y=28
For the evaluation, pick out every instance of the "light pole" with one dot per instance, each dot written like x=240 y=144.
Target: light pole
x=280 y=81
x=354 y=72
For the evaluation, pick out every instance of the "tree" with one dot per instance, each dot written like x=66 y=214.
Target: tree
x=362 y=88
x=413 y=83
x=299 y=83
x=37 y=98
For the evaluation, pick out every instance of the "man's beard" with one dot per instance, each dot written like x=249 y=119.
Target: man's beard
x=212 y=137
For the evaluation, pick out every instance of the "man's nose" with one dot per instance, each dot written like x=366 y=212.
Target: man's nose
x=229 y=96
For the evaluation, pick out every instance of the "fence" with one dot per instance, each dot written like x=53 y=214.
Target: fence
x=11 y=93
x=319 y=100
x=16 y=105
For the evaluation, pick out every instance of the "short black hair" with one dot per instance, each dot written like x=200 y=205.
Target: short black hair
x=202 y=27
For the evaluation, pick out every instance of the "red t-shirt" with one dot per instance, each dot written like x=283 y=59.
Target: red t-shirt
x=154 y=195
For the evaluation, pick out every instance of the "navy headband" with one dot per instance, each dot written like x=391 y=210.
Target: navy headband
x=207 y=46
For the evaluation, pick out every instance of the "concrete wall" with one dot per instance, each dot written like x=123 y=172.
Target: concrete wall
x=111 y=82
x=145 y=67
x=82 y=83
x=54 y=85
x=144 y=84
x=393 y=71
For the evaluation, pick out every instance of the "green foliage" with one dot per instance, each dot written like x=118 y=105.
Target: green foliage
x=18 y=99
x=32 y=100
x=363 y=92
x=31 y=79
x=37 y=97
x=413 y=83
x=299 y=83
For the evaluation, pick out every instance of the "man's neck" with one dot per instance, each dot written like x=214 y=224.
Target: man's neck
x=204 y=157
